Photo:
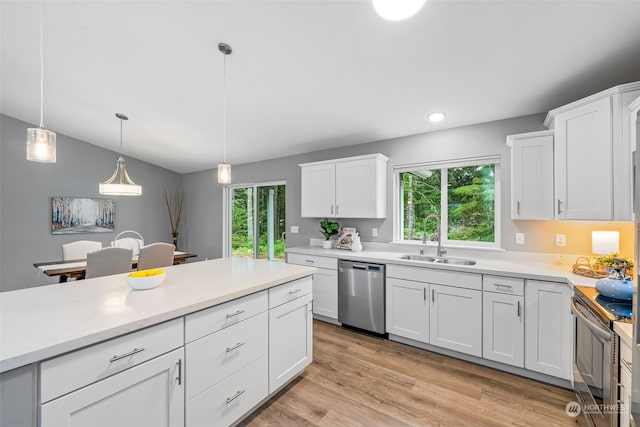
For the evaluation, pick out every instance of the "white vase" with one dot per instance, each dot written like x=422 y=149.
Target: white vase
x=326 y=244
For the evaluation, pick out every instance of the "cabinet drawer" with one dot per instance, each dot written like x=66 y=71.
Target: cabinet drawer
x=289 y=291
x=216 y=356
x=625 y=356
x=229 y=400
x=313 y=261
x=458 y=279
x=205 y=322
x=79 y=368
x=503 y=285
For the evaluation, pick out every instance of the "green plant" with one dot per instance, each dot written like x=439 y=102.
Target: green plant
x=607 y=260
x=329 y=228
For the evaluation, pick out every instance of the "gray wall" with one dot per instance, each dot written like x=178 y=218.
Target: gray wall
x=26 y=189
x=205 y=195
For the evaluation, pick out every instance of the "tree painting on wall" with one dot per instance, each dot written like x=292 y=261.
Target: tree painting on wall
x=72 y=215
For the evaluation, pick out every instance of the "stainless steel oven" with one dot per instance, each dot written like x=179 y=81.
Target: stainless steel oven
x=595 y=367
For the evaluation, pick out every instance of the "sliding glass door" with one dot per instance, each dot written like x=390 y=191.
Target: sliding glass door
x=257 y=220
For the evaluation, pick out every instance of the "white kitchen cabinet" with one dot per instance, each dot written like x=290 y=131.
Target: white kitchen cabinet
x=455 y=320
x=325 y=283
x=150 y=394
x=503 y=328
x=352 y=187
x=531 y=175
x=592 y=156
x=318 y=194
x=625 y=390
x=548 y=328
x=407 y=309
x=290 y=340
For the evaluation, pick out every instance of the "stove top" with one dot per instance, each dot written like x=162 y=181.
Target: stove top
x=608 y=309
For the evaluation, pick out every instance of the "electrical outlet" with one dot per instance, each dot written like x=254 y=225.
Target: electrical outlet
x=294 y=229
x=519 y=238
x=561 y=240
x=374 y=232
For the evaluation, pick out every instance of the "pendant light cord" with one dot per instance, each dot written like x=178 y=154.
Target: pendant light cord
x=41 y=68
x=224 y=113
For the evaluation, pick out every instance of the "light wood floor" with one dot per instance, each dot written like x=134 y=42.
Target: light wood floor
x=357 y=380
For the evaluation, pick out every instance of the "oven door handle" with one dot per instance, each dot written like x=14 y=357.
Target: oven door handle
x=601 y=333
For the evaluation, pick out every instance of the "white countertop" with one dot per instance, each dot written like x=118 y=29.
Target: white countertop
x=38 y=323
x=526 y=266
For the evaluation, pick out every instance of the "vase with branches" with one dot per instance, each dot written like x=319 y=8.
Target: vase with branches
x=174 y=203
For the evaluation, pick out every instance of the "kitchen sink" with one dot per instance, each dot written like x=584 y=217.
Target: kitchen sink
x=439 y=260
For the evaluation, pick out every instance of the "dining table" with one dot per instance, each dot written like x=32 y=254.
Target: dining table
x=76 y=268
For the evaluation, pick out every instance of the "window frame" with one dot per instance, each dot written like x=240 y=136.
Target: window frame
x=398 y=204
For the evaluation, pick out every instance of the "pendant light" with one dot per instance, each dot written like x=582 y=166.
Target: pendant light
x=224 y=169
x=397 y=10
x=120 y=184
x=41 y=143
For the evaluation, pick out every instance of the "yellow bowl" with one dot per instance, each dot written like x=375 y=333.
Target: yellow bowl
x=145 y=279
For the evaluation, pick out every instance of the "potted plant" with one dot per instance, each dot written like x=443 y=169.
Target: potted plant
x=329 y=229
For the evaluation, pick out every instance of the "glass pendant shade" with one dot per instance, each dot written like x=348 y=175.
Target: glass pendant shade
x=224 y=173
x=120 y=184
x=41 y=145
x=396 y=10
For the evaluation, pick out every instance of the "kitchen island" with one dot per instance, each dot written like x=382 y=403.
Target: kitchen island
x=41 y=324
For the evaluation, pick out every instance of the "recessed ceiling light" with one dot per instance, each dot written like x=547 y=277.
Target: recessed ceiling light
x=436 y=116
x=396 y=10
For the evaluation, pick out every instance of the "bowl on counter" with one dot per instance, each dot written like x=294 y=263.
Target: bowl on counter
x=145 y=279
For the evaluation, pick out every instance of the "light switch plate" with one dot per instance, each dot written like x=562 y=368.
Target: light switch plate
x=294 y=229
x=374 y=232
x=519 y=238
x=561 y=240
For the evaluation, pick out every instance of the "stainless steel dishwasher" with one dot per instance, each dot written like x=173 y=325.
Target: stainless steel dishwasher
x=361 y=295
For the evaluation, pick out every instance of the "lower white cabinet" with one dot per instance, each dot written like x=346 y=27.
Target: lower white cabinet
x=455 y=320
x=290 y=340
x=325 y=293
x=503 y=328
x=407 y=309
x=625 y=390
x=230 y=399
x=150 y=394
x=548 y=328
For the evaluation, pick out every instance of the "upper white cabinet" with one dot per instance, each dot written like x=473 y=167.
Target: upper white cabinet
x=352 y=187
x=592 y=156
x=531 y=175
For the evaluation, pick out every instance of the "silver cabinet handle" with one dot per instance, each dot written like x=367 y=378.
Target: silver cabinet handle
x=559 y=204
x=518 y=207
x=310 y=261
x=433 y=295
x=518 y=308
x=238 y=345
x=235 y=396
x=331 y=209
x=295 y=291
x=626 y=363
x=424 y=293
x=500 y=285
x=337 y=209
x=179 y=377
x=235 y=314
x=122 y=356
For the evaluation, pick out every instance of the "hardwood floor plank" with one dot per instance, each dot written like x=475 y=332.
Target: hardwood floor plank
x=358 y=380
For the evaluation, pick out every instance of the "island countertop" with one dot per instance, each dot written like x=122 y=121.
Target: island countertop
x=42 y=322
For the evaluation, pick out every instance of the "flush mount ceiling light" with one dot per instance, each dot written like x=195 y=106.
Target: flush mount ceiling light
x=396 y=10
x=224 y=169
x=436 y=116
x=120 y=184
x=41 y=143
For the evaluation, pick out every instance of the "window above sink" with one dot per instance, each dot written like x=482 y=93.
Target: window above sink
x=464 y=194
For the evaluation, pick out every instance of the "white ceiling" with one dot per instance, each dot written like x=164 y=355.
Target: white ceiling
x=304 y=75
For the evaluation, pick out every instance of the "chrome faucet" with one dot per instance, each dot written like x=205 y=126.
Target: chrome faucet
x=440 y=250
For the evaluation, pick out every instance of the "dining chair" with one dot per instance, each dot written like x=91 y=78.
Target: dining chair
x=108 y=261
x=156 y=255
x=79 y=249
x=133 y=243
